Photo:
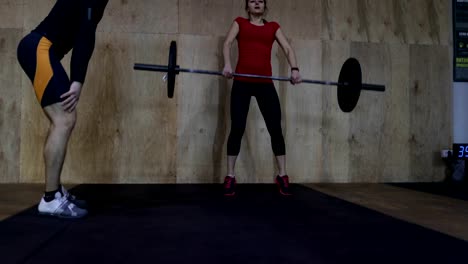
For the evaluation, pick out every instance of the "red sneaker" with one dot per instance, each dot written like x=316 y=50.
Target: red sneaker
x=283 y=185
x=229 y=186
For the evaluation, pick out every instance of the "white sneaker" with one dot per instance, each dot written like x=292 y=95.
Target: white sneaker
x=60 y=207
x=72 y=198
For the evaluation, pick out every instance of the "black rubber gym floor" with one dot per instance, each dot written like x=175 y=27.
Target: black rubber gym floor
x=195 y=224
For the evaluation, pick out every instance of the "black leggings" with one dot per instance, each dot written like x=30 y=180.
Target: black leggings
x=268 y=102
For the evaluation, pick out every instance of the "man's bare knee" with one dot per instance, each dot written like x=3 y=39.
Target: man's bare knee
x=64 y=122
x=60 y=119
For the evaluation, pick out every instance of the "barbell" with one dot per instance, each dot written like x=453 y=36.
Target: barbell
x=349 y=81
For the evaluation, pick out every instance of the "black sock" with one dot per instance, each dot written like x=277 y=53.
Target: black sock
x=49 y=196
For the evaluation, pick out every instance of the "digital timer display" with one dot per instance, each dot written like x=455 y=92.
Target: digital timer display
x=460 y=151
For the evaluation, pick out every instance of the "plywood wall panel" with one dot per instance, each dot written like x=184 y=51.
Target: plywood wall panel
x=34 y=12
x=394 y=152
x=335 y=124
x=137 y=16
x=11 y=14
x=441 y=28
x=128 y=125
x=397 y=21
x=368 y=136
x=202 y=106
x=384 y=21
x=141 y=16
x=10 y=105
x=301 y=19
x=208 y=17
x=430 y=110
x=344 y=20
x=426 y=21
x=303 y=111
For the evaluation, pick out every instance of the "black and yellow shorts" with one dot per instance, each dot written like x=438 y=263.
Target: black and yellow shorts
x=43 y=67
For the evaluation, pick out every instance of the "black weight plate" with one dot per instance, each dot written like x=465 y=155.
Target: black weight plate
x=171 y=73
x=351 y=84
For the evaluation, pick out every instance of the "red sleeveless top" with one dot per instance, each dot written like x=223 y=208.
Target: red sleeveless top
x=255 y=44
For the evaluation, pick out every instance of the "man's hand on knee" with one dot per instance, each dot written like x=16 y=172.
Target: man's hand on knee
x=72 y=97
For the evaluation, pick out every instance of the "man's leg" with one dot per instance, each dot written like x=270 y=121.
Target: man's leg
x=55 y=202
x=61 y=127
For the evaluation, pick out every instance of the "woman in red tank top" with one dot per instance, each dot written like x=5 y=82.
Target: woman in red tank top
x=255 y=37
